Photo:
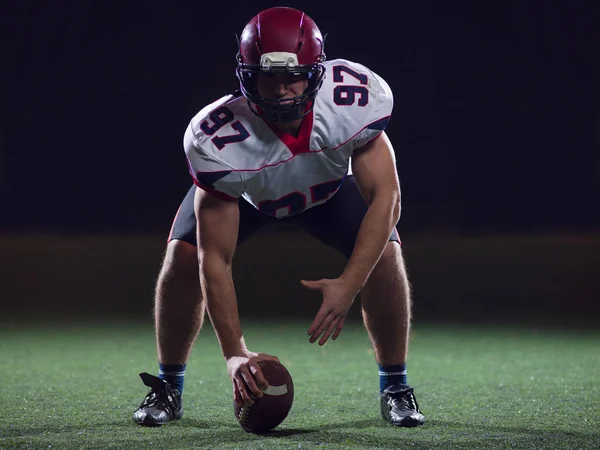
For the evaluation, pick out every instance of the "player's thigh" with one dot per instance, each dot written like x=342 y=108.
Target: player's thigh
x=336 y=222
x=184 y=224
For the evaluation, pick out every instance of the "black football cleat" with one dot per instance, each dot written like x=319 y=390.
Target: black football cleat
x=162 y=404
x=399 y=406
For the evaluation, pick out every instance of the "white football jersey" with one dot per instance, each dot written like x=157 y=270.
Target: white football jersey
x=234 y=153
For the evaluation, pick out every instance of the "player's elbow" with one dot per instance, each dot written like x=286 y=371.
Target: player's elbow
x=214 y=266
x=396 y=208
x=390 y=197
x=215 y=278
x=388 y=201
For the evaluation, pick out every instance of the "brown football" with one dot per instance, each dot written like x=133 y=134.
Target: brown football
x=274 y=406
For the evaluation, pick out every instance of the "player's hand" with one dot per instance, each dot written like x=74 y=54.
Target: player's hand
x=337 y=300
x=248 y=380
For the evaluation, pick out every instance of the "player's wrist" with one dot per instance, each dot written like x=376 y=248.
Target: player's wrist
x=353 y=282
x=235 y=349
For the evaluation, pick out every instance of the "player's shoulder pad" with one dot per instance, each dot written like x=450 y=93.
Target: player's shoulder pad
x=228 y=131
x=208 y=168
x=355 y=97
x=203 y=126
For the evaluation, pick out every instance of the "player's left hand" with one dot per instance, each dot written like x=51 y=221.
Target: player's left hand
x=337 y=300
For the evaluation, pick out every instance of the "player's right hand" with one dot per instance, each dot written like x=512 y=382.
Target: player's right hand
x=248 y=380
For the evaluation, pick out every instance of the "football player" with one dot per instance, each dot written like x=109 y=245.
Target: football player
x=302 y=141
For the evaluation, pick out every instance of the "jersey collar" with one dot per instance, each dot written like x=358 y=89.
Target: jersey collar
x=299 y=144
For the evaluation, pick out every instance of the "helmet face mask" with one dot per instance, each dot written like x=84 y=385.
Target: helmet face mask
x=281 y=41
x=283 y=109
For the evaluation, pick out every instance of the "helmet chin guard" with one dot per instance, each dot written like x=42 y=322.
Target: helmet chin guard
x=281 y=41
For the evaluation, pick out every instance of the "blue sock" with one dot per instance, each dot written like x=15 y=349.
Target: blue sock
x=172 y=374
x=389 y=375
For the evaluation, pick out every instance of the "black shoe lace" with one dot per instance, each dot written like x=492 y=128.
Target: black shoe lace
x=405 y=400
x=163 y=398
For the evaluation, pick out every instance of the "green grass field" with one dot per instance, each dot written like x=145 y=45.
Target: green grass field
x=76 y=386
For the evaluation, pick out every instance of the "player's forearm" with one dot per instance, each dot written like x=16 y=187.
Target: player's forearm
x=374 y=233
x=221 y=303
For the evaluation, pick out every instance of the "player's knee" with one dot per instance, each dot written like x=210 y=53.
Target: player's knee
x=181 y=259
x=392 y=253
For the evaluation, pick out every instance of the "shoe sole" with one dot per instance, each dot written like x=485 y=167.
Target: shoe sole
x=151 y=423
x=409 y=422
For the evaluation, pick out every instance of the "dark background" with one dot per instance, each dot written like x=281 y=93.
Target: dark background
x=496 y=127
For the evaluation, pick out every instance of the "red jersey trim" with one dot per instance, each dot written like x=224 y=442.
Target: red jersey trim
x=300 y=144
x=373 y=138
x=214 y=192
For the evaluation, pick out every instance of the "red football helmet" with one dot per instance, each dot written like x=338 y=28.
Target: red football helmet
x=281 y=40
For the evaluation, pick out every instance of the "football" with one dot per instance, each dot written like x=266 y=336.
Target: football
x=274 y=406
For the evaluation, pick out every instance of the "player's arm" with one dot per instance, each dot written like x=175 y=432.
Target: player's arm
x=217 y=232
x=375 y=173
x=374 y=169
